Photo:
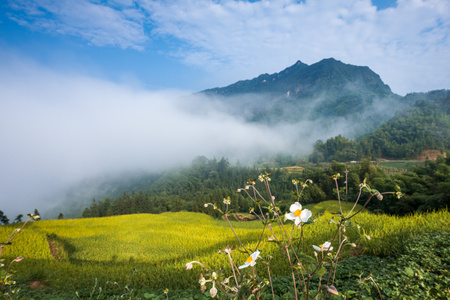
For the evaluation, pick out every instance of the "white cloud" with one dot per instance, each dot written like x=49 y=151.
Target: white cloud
x=406 y=45
x=120 y=24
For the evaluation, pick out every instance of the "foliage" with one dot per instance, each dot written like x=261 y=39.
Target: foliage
x=3 y=218
x=424 y=126
x=425 y=187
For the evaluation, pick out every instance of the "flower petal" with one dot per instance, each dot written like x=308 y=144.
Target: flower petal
x=245 y=265
x=306 y=214
x=290 y=216
x=295 y=207
x=317 y=248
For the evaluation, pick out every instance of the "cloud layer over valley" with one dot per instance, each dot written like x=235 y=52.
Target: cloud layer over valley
x=58 y=129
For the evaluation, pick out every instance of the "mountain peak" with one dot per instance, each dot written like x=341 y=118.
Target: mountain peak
x=304 y=81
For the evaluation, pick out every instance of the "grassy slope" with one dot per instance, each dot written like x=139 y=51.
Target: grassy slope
x=158 y=246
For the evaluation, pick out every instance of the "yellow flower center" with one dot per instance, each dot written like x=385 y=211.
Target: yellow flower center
x=249 y=259
x=298 y=212
x=321 y=246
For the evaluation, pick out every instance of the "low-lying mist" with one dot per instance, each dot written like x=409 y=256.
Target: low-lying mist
x=58 y=129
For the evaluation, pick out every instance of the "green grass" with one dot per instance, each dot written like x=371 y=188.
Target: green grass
x=331 y=206
x=399 y=165
x=159 y=246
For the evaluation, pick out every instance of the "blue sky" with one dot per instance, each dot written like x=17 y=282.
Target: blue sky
x=198 y=44
x=92 y=87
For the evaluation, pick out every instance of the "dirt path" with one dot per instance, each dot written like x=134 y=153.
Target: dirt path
x=55 y=250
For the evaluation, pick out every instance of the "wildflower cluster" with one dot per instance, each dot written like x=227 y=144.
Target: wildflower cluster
x=289 y=237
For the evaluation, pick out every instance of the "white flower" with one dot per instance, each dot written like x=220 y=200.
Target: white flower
x=297 y=214
x=188 y=266
x=202 y=281
x=251 y=260
x=324 y=247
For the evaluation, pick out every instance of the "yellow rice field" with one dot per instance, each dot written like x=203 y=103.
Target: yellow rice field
x=159 y=246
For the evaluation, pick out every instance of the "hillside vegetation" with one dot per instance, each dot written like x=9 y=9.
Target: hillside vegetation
x=425 y=187
x=424 y=126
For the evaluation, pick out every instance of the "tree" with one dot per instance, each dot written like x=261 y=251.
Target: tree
x=86 y=213
x=60 y=216
x=3 y=218
x=36 y=212
x=95 y=212
x=18 y=219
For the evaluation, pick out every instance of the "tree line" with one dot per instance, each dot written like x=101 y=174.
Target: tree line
x=425 y=188
x=4 y=220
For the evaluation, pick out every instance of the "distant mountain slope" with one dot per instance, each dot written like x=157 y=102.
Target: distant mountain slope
x=303 y=81
x=328 y=89
x=424 y=126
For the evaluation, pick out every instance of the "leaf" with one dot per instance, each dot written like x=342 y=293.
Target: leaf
x=409 y=272
x=322 y=271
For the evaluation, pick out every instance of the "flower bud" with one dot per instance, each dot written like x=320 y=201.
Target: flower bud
x=18 y=259
x=188 y=266
x=213 y=291
x=368 y=237
x=353 y=245
x=332 y=290
x=214 y=276
x=380 y=197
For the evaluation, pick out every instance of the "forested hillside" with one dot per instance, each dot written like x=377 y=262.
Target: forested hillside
x=427 y=187
x=424 y=126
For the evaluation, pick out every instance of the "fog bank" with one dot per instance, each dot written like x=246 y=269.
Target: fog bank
x=59 y=128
